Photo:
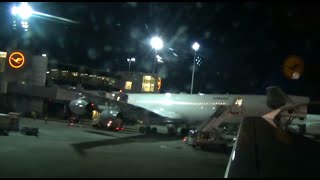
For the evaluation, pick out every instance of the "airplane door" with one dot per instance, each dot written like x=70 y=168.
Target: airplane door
x=237 y=106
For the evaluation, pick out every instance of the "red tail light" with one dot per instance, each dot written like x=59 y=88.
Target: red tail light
x=184 y=139
x=122 y=128
x=117 y=128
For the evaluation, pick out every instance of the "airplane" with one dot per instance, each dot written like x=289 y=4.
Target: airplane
x=187 y=109
x=195 y=108
x=254 y=151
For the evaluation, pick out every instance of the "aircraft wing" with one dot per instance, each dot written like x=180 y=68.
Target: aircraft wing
x=264 y=151
x=265 y=146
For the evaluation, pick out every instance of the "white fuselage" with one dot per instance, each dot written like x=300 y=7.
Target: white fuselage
x=195 y=107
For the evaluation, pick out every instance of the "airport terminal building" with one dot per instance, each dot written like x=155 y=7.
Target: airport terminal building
x=130 y=82
x=20 y=70
x=28 y=82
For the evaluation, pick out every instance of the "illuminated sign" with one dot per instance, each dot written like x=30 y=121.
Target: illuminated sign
x=16 y=60
x=159 y=83
x=293 y=67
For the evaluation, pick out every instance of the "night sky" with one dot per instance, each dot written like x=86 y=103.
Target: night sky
x=242 y=45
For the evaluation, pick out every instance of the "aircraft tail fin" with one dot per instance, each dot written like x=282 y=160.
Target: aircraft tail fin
x=276 y=98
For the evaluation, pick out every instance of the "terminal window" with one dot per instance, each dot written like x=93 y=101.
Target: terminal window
x=128 y=85
x=64 y=73
x=74 y=73
x=148 y=84
x=3 y=54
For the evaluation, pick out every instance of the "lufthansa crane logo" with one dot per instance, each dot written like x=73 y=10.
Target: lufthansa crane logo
x=16 y=60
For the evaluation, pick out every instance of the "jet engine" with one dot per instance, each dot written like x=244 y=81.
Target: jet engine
x=81 y=106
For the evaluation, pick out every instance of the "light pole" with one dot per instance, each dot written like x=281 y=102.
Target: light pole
x=131 y=60
x=20 y=14
x=195 y=47
x=157 y=44
x=24 y=11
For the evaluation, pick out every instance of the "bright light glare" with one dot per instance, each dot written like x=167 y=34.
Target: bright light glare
x=131 y=60
x=195 y=46
x=156 y=43
x=233 y=155
x=44 y=55
x=24 y=10
x=24 y=24
x=14 y=10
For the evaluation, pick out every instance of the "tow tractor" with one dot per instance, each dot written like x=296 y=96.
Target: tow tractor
x=111 y=122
